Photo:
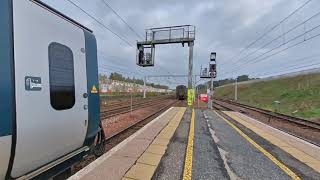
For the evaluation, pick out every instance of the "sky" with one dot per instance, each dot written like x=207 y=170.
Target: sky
x=226 y=27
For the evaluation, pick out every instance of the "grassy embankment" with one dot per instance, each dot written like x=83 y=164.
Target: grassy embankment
x=299 y=96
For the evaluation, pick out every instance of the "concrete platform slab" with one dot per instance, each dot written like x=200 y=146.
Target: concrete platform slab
x=141 y=172
x=150 y=133
x=150 y=159
x=159 y=141
x=126 y=178
x=117 y=166
x=165 y=135
x=134 y=148
x=156 y=149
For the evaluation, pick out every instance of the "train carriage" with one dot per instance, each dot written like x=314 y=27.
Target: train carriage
x=48 y=89
x=181 y=92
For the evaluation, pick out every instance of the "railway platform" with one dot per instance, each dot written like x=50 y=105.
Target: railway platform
x=185 y=143
x=138 y=156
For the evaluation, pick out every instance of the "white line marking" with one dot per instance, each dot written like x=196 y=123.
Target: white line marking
x=223 y=154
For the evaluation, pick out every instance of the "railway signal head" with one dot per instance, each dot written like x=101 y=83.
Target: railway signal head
x=213 y=70
x=145 y=55
x=213 y=74
x=213 y=56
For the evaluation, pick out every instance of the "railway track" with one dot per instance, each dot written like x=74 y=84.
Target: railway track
x=128 y=101
x=125 y=107
x=139 y=124
x=301 y=128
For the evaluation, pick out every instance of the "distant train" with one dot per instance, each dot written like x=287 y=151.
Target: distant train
x=50 y=110
x=181 y=92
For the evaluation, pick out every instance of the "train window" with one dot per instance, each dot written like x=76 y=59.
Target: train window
x=61 y=72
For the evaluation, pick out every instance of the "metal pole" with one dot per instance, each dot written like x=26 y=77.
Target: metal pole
x=190 y=69
x=131 y=104
x=236 y=90
x=198 y=95
x=211 y=93
x=190 y=65
x=195 y=86
x=144 y=87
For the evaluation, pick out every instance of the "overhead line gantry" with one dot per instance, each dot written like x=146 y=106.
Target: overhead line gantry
x=184 y=34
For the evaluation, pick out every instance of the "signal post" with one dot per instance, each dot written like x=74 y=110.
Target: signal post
x=211 y=74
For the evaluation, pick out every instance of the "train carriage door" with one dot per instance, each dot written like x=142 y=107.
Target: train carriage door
x=51 y=86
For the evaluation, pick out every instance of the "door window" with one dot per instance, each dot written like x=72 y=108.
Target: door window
x=61 y=72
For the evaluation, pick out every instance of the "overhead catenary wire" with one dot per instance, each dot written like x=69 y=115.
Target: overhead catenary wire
x=125 y=22
x=292 y=67
x=285 y=72
x=278 y=37
x=301 y=60
x=128 y=73
x=119 y=59
x=122 y=69
x=100 y=23
x=294 y=45
x=306 y=67
x=309 y=67
x=168 y=73
x=103 y=25
x=270 y=30
x=121 y=72
x=298 y=65
x=259 y=59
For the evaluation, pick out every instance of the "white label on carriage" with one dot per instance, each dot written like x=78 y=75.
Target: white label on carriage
x=33 y=83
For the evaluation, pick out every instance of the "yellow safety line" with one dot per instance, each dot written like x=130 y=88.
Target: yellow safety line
x=187 y=172
x=266 y=153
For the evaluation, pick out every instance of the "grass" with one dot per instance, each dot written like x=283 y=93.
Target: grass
x=299 y=96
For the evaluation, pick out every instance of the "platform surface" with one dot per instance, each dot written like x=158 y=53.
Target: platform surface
x=185 y=143
x=300 y=149
x=138 y=156
x=224 y=149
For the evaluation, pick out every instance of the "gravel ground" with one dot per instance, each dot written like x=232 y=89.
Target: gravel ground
x=115 y=124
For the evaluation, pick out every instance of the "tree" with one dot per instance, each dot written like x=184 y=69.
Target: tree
x=231 y=80
x=119 y=77
x=243 y=78
x=116 y=76
x=103 y=78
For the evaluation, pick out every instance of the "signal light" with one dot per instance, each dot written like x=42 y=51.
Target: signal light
x=213 y=56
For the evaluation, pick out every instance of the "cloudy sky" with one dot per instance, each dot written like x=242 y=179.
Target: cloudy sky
x=224 y=26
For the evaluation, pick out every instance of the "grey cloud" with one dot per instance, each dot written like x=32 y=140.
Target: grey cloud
x=224 y=26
